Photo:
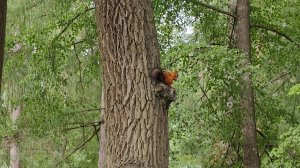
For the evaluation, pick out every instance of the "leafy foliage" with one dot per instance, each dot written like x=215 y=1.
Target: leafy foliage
x=287 y=153
x=52 y=67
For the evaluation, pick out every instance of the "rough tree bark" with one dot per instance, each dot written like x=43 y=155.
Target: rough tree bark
x=135 y=129
x=3 y=8
x=251 y=158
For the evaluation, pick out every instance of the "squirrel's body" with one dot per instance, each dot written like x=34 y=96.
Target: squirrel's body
x=169 y=77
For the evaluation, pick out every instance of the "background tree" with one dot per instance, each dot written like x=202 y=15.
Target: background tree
x=251 y=158
x=3 y=8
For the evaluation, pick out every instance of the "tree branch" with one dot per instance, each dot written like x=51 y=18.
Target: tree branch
x=84 y=111
x=282 y=84
x=265 y=113
x=209 y=102
x=84 y=143
x=277 y=78
x=268 y=155
x=81 y=125
x=34 y=5
x=71 y=21
x=234 y=16
x=261 y=134
x=88 y=110
x=79 y=69
x=213 y=8
x=272 y=30
x=53 y=56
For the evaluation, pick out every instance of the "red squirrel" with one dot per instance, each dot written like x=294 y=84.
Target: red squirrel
x=166 y=77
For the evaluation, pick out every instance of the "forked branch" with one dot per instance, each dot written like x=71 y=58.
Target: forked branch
x=79 y=147
x=254 y=25
x=273 y=30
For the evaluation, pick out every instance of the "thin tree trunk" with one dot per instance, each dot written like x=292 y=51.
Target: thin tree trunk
x=251 y=158
x=14 y=155
x=232 y=6
x=135 y=129
x=14 y=150
x=3 y=8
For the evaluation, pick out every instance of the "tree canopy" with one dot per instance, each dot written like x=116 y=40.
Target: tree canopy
x=52 y=66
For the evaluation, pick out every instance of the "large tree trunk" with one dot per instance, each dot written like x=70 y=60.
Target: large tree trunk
x=3 y=6
x=135 y=129
x=251 y=158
